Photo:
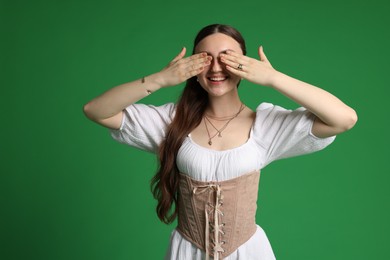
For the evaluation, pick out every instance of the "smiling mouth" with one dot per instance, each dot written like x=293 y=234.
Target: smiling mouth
x=217 y=79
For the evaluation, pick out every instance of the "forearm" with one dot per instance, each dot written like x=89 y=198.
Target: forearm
x=334 y=116
x=118 y=98
x=328 y=108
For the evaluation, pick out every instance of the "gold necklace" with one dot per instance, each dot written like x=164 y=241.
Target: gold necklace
x=219 y=131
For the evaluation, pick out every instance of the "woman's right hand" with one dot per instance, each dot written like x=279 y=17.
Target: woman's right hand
x=180 y=69
x=107 y=108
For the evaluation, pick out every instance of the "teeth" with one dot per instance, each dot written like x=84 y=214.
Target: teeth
x=218 y=79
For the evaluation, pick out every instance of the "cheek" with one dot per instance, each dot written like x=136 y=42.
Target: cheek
x=201 y=78
x=203 y=73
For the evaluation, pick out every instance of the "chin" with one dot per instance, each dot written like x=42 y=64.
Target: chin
x=217 y=91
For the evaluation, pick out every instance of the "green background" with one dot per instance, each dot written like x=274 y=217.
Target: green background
x=68 y=191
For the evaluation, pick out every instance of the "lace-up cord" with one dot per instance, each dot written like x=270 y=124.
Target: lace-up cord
x=216 y=228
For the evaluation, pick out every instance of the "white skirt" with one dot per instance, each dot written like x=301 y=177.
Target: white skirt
x=256 y=248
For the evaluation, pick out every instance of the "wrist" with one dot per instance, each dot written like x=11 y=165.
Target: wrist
x=160 y=79
x=152 y=82
x=275 y=79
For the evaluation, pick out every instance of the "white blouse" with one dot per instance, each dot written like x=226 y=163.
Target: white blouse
x=276 y=133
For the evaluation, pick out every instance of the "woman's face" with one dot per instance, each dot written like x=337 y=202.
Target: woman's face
x=215 y=78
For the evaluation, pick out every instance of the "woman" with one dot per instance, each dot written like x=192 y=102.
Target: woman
x=211 y=147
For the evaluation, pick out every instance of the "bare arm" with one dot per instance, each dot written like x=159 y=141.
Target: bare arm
x=333 y=116
x=107 y=108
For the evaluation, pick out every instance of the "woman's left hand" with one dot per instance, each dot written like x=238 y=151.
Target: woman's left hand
x=259 y=72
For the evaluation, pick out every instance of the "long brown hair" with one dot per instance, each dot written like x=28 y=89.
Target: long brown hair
x=189 y=112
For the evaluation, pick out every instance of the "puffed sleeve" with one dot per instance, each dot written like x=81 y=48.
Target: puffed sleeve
x=144 y=126
x=286 y=133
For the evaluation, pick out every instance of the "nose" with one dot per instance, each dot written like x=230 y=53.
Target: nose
x=215 y=65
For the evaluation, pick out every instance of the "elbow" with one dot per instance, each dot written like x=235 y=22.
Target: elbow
x=87 y=111
x=344 y=122
x=350 y=120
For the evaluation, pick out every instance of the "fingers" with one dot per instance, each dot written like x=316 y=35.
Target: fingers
x=180 y=55
x=200 y=57
x=234 y=56
x=182 y=68
x=185 y=68
x=196 y=63
x=235 y=62
x=262 y=55
x=193 y=62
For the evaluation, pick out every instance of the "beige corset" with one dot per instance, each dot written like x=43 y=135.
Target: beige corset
x=218 y=217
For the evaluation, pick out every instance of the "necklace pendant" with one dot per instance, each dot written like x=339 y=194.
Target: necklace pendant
x=219 y=134
x=210 y=143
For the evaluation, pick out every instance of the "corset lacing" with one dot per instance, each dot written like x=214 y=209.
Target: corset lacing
x=212 y=213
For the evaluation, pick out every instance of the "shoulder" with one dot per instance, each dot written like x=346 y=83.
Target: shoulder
x=140 y=114
x=269 y=111
x=264 y=106
x=267 y=107
x=271 y=118
x=146 y=110
x=168 y=107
